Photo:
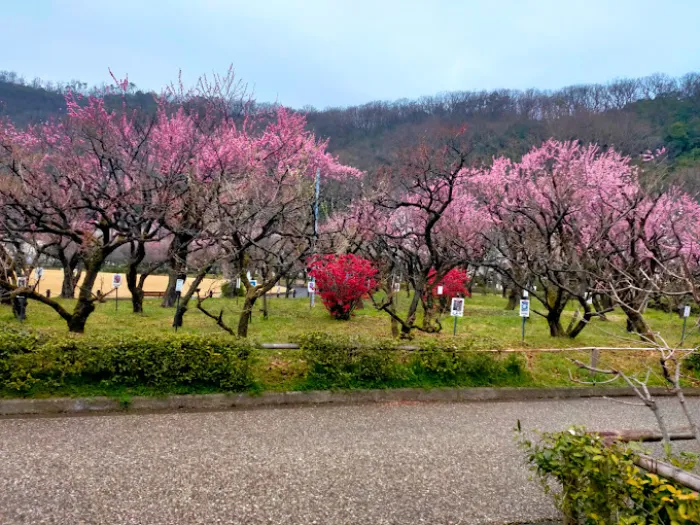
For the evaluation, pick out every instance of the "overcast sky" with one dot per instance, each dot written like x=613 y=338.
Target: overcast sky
x=328 y=53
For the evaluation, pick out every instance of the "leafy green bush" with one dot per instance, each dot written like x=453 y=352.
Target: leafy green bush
x=135 y=361
x=692 y=362
x=347 y=363
x=595 y=483
x=228 y=289
x=460 y=366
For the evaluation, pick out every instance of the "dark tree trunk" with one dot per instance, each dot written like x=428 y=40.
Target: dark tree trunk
x=513 y=298
x=583 y=322
x=554 y=322
x=179 y=316
x=185 y=299
x=394 y=322
x=429 y=313
x=80 y=316
x=137 y=301
x=178 y=264
x=599 y=306
x=70 y=279
x=138 y=254
x=246 y=313
x=638 y=325
x=86 y=303
x=407 y=327
x=265 y=311
x=68 y=285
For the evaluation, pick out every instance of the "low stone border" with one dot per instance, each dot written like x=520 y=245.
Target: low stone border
x=52 y=406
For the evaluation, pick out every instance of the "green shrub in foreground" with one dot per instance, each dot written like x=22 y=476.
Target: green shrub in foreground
x=164 y=363
x=595 y=483
x=351 y=363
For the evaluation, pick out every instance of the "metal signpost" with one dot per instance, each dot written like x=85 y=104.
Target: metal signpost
x=456 y=310
x=21 y=299
x=686 y=314
x=179 y=285
x=39 y=272
x=524 y=313
x=116 y=283
x=311 y=289
x=396 y=287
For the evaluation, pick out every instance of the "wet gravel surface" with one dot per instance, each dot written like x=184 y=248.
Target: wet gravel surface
x=394 y=463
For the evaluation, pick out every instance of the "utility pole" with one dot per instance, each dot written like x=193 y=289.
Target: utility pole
x=317 y=193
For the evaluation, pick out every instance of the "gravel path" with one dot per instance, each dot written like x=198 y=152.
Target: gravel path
x=373 y=464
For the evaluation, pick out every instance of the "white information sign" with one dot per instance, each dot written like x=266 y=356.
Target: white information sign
x=116 y=280
x=311 y=287
x=253 y=283
x=39 y=272
x=526 y=293
x=439 y=290
x=21 y=282
x=179 y=284
x=457 y=307
x=238 y=283
x=525 y=308
x=686 y=311
x=397 y=287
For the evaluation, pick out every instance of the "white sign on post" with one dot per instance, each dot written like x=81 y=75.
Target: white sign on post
x=397 y=287
x=179 y=284
x=686 y=311
x=525 y=308
x=21 y=282
x=457 y=307
x=311 y=287
x=39 y=272
x=116 y=280
x=526 y=293
x=253 y=283
x=238 y=283
x=439 y=290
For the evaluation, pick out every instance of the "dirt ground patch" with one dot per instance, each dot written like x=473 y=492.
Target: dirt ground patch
x=53 y=278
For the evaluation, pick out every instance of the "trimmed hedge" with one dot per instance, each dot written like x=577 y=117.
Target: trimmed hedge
x=27 y=361
x=32 y=364
x=335 y=362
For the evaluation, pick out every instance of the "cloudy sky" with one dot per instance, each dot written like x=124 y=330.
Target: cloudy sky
x=330 y=53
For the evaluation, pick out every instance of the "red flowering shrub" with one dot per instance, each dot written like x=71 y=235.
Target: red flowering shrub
x=454 y=284
x=342 y=281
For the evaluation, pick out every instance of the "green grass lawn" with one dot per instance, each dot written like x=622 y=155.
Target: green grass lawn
x=486 y=324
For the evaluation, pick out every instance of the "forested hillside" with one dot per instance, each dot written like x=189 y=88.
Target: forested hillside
x=632 y=115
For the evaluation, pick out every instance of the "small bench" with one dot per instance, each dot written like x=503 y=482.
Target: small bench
x=153 y=294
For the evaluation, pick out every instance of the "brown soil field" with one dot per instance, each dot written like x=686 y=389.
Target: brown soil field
x=53 y=278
